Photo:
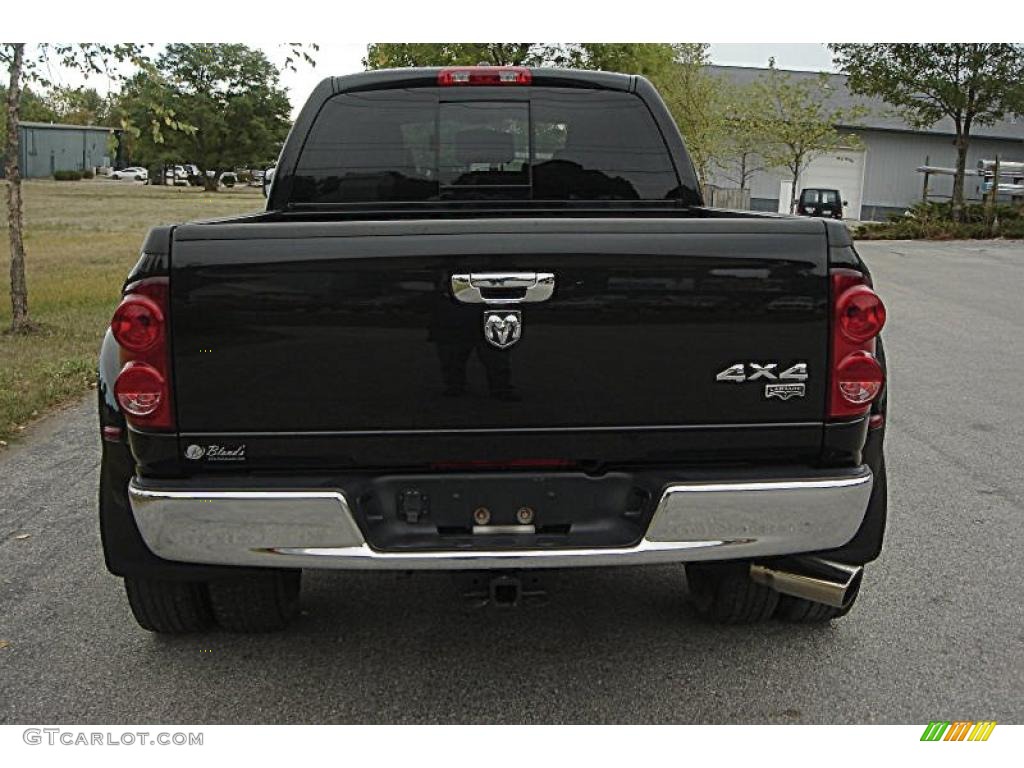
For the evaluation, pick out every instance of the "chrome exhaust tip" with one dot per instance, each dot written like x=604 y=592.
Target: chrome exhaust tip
x=812 y=578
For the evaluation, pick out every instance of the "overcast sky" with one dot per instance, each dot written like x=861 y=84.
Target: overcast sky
x=812 y=56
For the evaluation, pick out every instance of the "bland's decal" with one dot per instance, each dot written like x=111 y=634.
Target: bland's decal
x=216 y=452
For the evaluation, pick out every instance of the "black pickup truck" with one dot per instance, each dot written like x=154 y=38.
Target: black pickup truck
x=486 y=324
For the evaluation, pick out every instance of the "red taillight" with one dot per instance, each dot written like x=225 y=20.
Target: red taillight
x=139 y=326
x=485 y=76
x=859 y=377
x=138 y=323
x=140 y=390
x=858 y=317
x=861 y=313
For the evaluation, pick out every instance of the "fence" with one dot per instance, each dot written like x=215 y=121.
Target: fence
x=728 y=197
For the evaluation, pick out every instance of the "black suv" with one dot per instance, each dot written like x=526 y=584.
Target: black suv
x=821 y=202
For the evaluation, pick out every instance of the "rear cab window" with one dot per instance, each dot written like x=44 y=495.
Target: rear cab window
x=407 y=145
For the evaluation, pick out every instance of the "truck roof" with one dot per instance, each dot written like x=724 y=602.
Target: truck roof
x=408 y=77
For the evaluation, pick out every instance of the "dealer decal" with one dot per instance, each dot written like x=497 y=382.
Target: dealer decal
x=216 y=452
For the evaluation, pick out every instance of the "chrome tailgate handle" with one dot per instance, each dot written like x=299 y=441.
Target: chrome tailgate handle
x=503 y=287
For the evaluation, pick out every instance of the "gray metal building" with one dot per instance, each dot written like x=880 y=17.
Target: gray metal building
x=881 y=176
x=49 y=147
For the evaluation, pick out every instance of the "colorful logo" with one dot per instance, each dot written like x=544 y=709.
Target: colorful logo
x=959 y=730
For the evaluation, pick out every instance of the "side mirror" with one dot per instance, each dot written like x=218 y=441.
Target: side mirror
x=268 y=179
x=845 y=203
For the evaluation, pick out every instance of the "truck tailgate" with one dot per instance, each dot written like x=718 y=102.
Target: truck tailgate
x=332 y=331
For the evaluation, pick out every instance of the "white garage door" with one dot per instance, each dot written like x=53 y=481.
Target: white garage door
x=843 y=170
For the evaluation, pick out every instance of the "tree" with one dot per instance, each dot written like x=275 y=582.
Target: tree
x=33 y=108
x=648 y=59
x=654 y=61
x=386 y=55
x=19 y=101
x=230 y=94
x=149 y=137
x=20 y=322
x=970 y=83
x=88 y=58
x=78 y=106
x=741 y=155
x=696 y=101
x=799 y=124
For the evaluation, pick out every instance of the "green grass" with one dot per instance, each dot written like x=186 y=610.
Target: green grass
x=81 y=238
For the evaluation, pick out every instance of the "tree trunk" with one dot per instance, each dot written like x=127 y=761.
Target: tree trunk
x=210 y=183
x=20 y=322
x=963 y=122
x=958 y=180
x=793 y=192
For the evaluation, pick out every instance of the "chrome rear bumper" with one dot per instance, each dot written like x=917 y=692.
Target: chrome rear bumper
x=316 y=528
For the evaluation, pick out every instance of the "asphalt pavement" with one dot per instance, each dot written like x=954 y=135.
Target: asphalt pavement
x=938 y=631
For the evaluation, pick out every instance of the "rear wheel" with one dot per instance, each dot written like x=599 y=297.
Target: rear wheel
x=169 y=607
x=725 y=594
x=799 y=611
x=263 y=602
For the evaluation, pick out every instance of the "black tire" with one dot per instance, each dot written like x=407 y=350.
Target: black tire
x=263 y=602
x=796 y=610
x=169 y=607
x=725 y=594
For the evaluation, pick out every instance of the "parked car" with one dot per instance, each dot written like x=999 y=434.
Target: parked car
x=224 y=178
x=435 y=351
x=193 y=174
x=176 y=175
x=827 y=203
x=132 y=173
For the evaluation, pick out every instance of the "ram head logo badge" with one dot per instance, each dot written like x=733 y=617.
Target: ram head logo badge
x=502 y=328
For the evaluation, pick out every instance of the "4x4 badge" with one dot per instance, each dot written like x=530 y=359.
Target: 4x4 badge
x=768 y=371
x=502 y=328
